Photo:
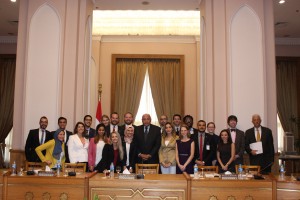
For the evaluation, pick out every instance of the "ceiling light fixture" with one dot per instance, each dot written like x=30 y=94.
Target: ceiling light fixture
x=282 y=1
x=13 y=0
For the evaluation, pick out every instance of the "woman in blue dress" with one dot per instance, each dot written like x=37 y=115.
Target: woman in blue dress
x=185 y=149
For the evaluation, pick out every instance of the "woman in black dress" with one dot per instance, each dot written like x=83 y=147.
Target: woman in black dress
x=225 y=152
x=185 y=149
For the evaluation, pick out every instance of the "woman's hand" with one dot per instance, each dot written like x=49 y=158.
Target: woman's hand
x=48 y=162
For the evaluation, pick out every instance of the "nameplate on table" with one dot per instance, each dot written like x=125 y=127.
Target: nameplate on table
x=127 y=176
x=229 y=177
x=46 y=173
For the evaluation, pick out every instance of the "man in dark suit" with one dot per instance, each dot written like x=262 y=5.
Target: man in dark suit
x=147 y=139
x=177 y=123
x=205 y=147
x=189 y=121
x=87 y=120
x=113 y=126
x=260 y=134
x=35 y=138
x=128 y=121
x=238 y=138
x=62 y=124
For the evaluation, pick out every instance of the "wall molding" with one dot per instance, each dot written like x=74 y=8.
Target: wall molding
x=139 y=38
x=287 y=41
x=8 y=39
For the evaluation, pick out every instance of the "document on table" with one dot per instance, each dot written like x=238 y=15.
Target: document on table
x=257 y=146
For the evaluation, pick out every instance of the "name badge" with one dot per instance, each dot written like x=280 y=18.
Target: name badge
x=208 y=147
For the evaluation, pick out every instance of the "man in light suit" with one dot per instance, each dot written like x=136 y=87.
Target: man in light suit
x=62 y=124
x=205 y=151
x=238 y=138
x=260 y=134
x=35 y=138
x=147 y=140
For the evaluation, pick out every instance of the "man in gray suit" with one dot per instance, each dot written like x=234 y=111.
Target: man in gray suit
x=238 y=138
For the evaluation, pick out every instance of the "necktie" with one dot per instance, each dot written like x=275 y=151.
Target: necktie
x=114 y=128
x=201 y=147
x=43 y=136
x=146 y=132
x=257 y=136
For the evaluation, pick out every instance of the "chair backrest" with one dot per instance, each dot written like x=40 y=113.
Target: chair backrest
x=74 y=167
x=34 y=166
x=146 y=168
x=254 y=169
x=214 y=169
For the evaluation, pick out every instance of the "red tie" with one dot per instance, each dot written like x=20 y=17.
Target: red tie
x=201 y=147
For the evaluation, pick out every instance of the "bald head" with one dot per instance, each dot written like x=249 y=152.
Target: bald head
x=146 y=119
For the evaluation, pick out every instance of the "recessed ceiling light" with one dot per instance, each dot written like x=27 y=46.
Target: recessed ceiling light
x=13 y=0
x=282 y=1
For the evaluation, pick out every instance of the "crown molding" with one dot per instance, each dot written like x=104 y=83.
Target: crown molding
x=144 y=38
x=287 y=41
x=8 y=39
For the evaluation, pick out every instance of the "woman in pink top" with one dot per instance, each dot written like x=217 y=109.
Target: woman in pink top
x=96 y=147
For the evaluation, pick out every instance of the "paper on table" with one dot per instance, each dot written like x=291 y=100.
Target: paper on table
x=47 y=169
x=257 y=146
x=125 y=171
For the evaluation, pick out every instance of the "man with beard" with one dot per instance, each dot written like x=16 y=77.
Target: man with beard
x=113 y=126
x=128 y=121
x=35 y=138
x=87 y=120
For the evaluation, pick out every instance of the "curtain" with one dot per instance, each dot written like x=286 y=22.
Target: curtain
x=7 y=85
x=286 y=79
x=165 y=81
x=130 y=75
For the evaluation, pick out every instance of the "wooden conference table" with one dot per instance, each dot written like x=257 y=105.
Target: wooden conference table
x=92 y=186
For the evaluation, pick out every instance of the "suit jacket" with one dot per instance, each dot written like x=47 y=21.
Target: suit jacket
x=132 y=154
x=68 y=133
x=108 y=131
x=167 y=152
x=77 y=151
x=267 y=157
x=209 y=148
x=32 y=142
x=149 y=146
x=92 y=133
x=239 y=146
x=107 y=158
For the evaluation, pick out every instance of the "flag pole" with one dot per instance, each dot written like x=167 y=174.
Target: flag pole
x=99 y=91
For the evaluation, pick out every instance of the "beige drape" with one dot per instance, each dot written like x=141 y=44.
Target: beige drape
x=286 y=78
x=130 y=76
x=165 y=81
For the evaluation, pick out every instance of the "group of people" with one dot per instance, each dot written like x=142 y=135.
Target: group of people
x=176 y=145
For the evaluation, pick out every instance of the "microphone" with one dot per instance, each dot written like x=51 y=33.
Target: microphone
x=74 y=172
x=258 y=176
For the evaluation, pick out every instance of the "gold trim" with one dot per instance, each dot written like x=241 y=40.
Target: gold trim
x=46 y=196
x=213 y=197
x=29 y=196
x=137 y=193
x=248 y=197
x=231 y=197
x=63 y=196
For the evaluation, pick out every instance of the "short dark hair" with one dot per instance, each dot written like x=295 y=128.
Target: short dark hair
x=87 y=116
x=61 y=119
x=43 y=117
x=177 y=115
x=201 y=120
x=188 y=116
x=231 y=117
x=114 y=113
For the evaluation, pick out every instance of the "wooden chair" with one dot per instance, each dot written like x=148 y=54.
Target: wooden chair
x=253 y=169
x=146 y=168
x=75 y=167
x=213 y=169
x=34 y=166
